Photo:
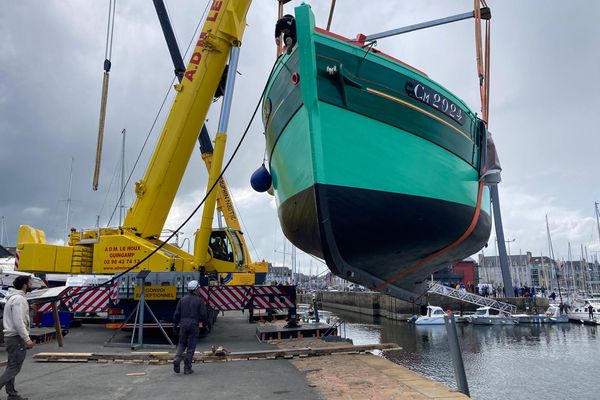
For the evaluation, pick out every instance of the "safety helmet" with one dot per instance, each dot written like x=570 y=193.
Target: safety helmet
x=193 y=285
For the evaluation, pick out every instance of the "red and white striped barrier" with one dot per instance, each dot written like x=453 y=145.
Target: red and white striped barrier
x=17 y=261
x=228 y=298
x=114 y=292
x=86 y=299
x=47 y=307
x=82 y=299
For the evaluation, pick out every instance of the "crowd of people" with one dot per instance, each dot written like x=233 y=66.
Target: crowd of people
x=489 y=290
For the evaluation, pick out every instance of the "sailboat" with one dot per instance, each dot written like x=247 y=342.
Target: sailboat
x=376 y=167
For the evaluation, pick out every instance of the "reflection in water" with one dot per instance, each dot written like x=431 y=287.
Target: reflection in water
x=502 y=362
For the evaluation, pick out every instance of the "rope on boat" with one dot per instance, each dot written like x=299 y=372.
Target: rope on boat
x=110 y=29
x=483 y=70
x=483 y=64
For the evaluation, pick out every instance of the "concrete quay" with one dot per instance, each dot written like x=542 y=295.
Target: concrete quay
x=347 y=376
x=377 y=304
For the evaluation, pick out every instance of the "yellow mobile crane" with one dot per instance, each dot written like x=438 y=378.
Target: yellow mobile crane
x=112 y=250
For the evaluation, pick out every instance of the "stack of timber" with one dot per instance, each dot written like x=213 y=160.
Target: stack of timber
x=209 y=356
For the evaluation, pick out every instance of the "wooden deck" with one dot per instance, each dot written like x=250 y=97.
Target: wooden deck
x=278 y=331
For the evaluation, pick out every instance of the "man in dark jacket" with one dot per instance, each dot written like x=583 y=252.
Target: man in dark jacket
x=286 y=25
x=189 y=314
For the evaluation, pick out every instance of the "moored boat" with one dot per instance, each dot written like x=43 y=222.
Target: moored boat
x=490 y=316
x=435 y=316
x=580 y=311
x=375 y=166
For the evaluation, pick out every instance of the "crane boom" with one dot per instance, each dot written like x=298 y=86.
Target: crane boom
x=155 y=193
x=110 y=250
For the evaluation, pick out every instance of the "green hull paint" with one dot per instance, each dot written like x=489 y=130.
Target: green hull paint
x=333 y=133
x=354 y=162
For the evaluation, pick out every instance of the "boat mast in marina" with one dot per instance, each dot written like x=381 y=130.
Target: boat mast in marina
x=554 y=268
x=572 y=269
x=597 y=218
x=68 y=216
x=3 y=235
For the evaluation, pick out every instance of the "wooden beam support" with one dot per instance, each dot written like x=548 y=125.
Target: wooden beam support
x=59 y=336
x=164 y=357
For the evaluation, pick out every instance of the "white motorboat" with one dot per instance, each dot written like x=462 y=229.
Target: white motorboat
x=435 y=316
x=490 y=316
x=551 y=316
x=581 y=310
x=555 y=316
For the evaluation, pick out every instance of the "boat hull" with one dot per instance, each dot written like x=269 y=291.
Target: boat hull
x=424 y=320
x=493 y=321
x=366 y=176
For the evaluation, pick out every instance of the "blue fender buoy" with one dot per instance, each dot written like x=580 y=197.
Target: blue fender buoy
x=261 y=179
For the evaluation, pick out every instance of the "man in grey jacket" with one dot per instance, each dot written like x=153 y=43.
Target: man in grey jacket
x=16 y=333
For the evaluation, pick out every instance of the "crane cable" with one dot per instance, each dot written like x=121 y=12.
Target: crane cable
x=160 y=246
x=194 y=36
x=483 y=67
x=110 y=29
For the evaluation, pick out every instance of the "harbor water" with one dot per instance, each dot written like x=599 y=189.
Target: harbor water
x=547 y=361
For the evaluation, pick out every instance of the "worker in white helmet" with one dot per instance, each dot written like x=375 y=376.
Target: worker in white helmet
x=189 y=315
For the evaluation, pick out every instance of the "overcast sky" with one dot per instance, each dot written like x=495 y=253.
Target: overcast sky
x=544 y=114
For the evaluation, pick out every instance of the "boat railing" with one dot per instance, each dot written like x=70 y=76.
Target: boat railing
x=338 y=327
x=468 y=297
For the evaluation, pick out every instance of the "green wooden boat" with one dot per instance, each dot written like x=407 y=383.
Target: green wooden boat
x=375 y=166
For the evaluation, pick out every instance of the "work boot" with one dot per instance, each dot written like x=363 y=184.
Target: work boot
x=176 y=367
x=188 y=371
x=17 y=397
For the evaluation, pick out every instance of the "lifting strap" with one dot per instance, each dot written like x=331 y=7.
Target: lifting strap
x=483 y=61
x=107 y=64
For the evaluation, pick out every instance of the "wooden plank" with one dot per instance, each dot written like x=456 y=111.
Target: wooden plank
x=59 y=336
x=131 y=358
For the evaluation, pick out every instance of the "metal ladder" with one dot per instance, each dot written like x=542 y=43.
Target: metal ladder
x=440 y=289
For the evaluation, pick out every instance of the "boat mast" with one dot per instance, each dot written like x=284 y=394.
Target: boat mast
x=545 y=271
x=572 y=269
x=3 y=232
x=283 y=262
x=585 y=272
x=597 y=217
x=68 y=216
x=553 y=260
x=294 y=267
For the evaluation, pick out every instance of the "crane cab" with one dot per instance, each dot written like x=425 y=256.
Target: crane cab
x=226 y=251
